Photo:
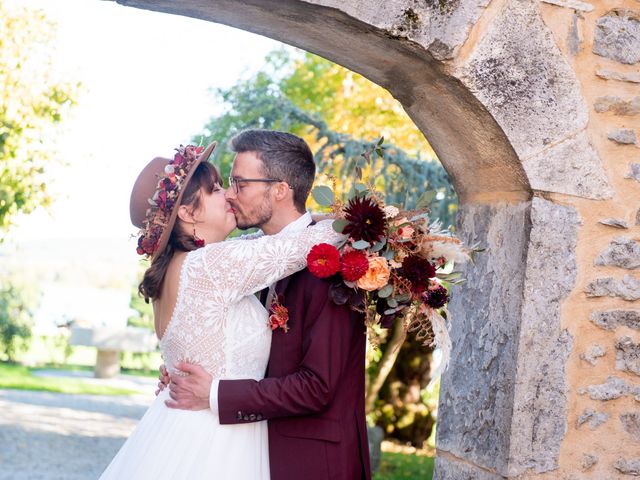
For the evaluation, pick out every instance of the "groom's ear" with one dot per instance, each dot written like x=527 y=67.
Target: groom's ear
x=281 y=191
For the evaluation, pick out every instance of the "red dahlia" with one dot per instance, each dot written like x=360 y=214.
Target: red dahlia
x=323 y=260
x=418 y=271
x=354 y=265
x=366 y=220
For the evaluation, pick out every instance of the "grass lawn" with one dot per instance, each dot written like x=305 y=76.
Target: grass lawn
x=396 y=466
x=17 y=377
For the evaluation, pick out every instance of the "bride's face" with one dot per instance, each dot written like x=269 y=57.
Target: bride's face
x=214 y=219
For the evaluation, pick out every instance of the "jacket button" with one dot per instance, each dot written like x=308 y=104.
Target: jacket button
x=246 y=418
x=259 y=417
x=239 y=415
x=252 y=417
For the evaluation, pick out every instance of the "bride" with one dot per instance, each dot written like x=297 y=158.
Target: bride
x=205 y=311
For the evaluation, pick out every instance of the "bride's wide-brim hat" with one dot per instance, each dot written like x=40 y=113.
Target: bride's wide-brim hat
x=155 y=223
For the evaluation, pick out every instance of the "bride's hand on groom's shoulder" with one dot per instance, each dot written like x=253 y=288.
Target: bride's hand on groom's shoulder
x=190 y=391
x=164 y=379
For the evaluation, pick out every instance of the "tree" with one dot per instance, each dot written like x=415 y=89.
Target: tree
x=15 y=322
x=32 y=101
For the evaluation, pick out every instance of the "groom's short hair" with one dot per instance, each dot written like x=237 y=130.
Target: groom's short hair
x=284 y=156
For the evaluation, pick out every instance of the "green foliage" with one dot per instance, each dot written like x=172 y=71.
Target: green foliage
x=31 y=103
x=403 y=466
x=340 y=114
x=15 y=322
x=404 y=405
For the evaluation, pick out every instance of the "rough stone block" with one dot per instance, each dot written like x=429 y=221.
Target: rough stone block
x=634 y=172
x=610 y=390
x=574 y=38
x=540 y=397
x=617 y=105
x=631 y=424
x=476 y=392
x=573 y=167
x=612 y=319
x=573 y=4
x=594 y=418
x=628 y=466
x=617 y=36
x=619 y=76
x=592 y=355
x=614 y=222
x=588 y=461
x=623 y=136
x=520 y=75
x=628 y=355
x=628 y=288
x=621 y=252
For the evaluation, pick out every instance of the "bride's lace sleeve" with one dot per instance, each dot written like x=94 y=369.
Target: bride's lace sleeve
x=237 y=269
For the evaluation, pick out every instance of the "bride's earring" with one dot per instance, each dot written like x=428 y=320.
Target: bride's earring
x=197 y=240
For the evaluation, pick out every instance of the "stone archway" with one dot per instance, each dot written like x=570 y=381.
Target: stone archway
x=500 y=88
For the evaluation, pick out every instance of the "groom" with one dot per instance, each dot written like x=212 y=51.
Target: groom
x=313 y=393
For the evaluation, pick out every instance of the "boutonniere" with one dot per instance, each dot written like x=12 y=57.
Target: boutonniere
x=278 y=314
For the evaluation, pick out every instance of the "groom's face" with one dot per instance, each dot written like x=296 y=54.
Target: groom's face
x=251 y=201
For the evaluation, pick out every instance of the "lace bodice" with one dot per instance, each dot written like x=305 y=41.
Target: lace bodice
x=217 y=322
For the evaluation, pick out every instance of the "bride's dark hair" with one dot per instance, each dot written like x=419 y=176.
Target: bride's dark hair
x=205 y=177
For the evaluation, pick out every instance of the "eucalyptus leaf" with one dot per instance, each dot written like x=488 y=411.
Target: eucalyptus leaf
x=392 y=302
x=385 y=291
x=360 y=244
x=403 y=298
x=378 y=245
x=339 y=224
x=323 y=195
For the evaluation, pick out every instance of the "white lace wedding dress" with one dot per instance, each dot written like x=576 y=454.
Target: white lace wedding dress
x=217 y=323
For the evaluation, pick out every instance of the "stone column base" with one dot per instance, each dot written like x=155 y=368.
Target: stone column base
x=107 y=364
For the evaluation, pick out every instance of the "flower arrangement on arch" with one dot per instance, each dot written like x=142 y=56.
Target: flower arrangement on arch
x=394 y=265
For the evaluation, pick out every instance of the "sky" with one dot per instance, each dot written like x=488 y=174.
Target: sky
x=146 y=80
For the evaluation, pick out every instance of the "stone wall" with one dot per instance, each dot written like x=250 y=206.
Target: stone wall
x=533 y=107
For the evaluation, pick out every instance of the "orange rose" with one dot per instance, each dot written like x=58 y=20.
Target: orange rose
x=377 y=276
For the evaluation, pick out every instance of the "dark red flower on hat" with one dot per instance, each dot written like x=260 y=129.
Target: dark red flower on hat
x=323 y=260
x=366 y=220
x=418 y=271
x=436 y=297
x=354 y=265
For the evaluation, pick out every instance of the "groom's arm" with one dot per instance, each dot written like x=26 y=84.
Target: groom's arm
x=327 y=341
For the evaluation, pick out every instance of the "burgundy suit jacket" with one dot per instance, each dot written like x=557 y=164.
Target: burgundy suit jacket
x=313 y=393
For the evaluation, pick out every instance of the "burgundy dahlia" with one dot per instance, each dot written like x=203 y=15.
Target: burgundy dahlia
x=418 y=271
x=436 y=297
x=366 y=220
x=354 y=265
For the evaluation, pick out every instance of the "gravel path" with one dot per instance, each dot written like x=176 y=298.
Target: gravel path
x=58 y=436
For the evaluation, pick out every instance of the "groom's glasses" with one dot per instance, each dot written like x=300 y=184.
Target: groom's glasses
x=235 y=182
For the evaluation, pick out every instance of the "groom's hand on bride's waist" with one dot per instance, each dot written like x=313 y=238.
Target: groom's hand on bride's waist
x=191 y=391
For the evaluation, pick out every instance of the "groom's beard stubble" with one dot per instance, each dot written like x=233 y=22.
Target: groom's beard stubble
x=256 y=217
